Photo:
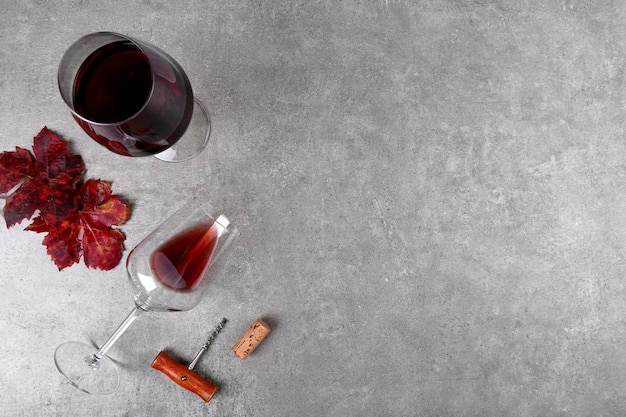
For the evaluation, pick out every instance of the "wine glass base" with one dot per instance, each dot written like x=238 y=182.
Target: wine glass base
x=74 y=361
x=194 y=140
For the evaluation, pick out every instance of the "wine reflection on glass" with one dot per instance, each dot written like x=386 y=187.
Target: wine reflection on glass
x=132 y=98
x=170 y=270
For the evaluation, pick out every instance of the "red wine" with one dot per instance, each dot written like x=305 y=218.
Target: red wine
x=181 y=262
x=134 y=102
x=113 y=84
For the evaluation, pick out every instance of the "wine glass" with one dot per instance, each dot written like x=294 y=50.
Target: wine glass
x=170 y=270
x=132 y=98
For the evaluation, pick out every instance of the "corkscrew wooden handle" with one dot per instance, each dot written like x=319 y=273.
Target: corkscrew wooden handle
x=184 y=377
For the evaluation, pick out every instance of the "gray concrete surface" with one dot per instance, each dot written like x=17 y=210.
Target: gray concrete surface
x=431 y=197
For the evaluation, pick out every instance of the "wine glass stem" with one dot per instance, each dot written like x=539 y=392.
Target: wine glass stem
x=116 y=335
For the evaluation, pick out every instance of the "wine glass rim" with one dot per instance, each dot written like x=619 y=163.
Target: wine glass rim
x=137 y=44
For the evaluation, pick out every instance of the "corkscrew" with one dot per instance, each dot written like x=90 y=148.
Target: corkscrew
x=185 y=376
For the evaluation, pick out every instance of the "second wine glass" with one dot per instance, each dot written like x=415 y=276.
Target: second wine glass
x=132 y=97
x=170 y=270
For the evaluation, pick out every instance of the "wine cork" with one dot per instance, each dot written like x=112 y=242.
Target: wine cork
x=251 y=339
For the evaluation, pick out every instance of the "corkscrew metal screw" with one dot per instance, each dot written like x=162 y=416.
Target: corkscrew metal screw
x=206 y=344
x=186 y=377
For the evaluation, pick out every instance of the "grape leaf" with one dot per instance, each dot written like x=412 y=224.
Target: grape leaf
x=101 y=206
x=77 y=216
x=102 y=248
x=102 y=245
x=88 y=230
x=63 y=242
x=52 y=161
x=15 y=167
x=46 y=180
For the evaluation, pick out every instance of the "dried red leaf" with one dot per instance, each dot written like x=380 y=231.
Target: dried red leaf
x=102 y=248
x=46 y=181
x=102 y=245
x=23 y=203
x=95 y=192
x=88 y=231
x=63 y=242
x=15 y=167
x=101 y=206
x=52 y=161
x=76 y=216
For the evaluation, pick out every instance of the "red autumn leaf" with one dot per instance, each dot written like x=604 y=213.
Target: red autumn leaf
x=102 y=245
x=15 y=167
x=76 y=216
x=63 y=242
x=101 y=206
x=54 y=164
x=23 y=203
x=102 y=248
x=88 y=230
x=46 y=181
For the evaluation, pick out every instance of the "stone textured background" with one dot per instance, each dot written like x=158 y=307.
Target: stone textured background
x=431 y=197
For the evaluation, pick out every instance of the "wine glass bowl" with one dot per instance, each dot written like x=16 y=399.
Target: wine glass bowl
x=169 y=270
x=132 y=97
x=170 y=274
